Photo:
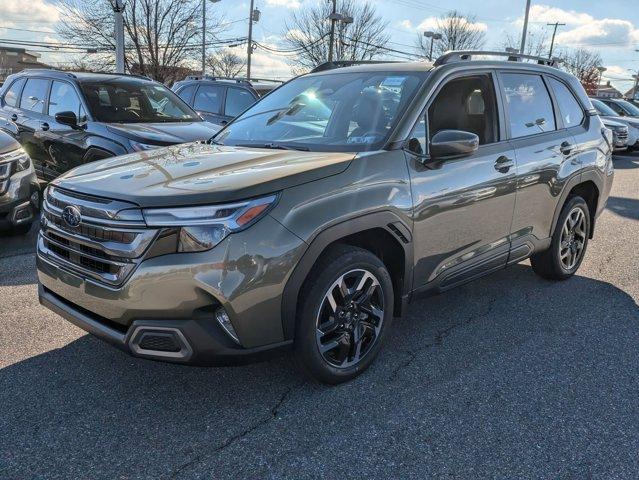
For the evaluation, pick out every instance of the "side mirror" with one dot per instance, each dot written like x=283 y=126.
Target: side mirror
x=453 y=143
x=67 y=118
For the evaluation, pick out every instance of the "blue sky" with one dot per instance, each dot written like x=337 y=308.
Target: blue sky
x=611 y=27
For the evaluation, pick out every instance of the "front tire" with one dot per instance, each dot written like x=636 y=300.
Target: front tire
x=345 y=313
x=569 y=242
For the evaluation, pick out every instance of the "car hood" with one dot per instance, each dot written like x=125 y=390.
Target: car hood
x=197 y=173
x=632 y=122
x=165 y=133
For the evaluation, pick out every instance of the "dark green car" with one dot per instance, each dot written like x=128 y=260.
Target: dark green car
x=314 y=218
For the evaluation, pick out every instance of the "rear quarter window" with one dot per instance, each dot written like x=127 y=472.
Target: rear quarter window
x=12 y=95
x=569 y=108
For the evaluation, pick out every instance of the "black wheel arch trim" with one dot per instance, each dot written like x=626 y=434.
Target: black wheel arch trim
x=582 y=177
x=332 y=234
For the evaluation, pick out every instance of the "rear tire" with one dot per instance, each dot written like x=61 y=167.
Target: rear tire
x=569 y=243
x=346 y=310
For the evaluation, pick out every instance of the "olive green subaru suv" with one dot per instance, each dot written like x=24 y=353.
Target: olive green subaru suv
x=310 y=221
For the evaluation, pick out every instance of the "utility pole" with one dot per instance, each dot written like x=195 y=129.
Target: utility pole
x=523 y=34
x=331 y=40
x=249 y=49
x=118 y=10
x=554 y=32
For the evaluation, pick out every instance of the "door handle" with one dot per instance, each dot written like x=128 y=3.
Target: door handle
x=503 y=164
x=565 y=147
x=224 y=122
x=14 y=117
x=45 y=126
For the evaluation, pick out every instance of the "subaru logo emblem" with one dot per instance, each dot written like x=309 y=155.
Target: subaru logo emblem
x=71 y=216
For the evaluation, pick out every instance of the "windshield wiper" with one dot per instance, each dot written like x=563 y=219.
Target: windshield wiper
x=275 y=146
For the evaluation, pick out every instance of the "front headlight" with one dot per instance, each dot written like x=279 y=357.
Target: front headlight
x=14 y=161
x=203 y=227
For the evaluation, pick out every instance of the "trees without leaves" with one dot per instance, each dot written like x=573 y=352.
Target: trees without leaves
x=307 y=32
x=161 y=36
x=458 y=31
x=225 y=64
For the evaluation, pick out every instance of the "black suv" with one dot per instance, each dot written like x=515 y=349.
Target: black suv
x=65 y=119
x=220 y=100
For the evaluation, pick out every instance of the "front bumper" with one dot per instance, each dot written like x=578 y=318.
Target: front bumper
x=178 y=293
x=19 y=204
x=201 y=343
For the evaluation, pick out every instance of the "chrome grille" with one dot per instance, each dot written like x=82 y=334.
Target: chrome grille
x=106 y=246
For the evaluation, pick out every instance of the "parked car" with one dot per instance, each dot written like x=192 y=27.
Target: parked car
x=65 y=119
x=311 y=231
x=219 y=100
x=608 y=114
x=19 y=188
x=619 y=134
x=622 y=107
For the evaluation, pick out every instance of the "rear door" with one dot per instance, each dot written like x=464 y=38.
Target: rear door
x=208 y=102
x=546 y=158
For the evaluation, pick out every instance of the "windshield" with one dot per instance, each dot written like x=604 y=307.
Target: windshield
x=630 y=108
x=345 y=112
x=131 y=101
x=603 y=109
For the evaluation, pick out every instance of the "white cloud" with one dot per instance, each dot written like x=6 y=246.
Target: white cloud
x=405 y=24
x=431 y=23
x=33 y=12
x=583 y=29
x=284 y=3
x=547 y=14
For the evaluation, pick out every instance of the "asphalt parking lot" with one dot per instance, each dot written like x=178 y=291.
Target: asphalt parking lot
x=509 y=377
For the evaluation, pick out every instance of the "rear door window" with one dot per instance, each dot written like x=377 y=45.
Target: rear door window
x=571 y=111
x=186 y=93
x=528 y=104
x=12 y=95
x=208 y=98
x=34 y=95
x=237 y=100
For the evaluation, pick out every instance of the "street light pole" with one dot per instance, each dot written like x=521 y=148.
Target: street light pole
x=204 y=34
x=118 y=9
x=554 y=32
x=331 y=40
x=523 y=33
x=433 y=36
x=601 y=70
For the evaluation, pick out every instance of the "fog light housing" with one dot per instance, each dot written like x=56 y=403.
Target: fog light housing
x=225 y=322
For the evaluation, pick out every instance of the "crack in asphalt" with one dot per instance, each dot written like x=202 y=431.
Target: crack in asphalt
x=439 y=337
x=274 y=411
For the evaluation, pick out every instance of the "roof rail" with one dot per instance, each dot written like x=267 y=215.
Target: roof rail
x=453 y=56
x=211 y=77
x=346 y=63
x=49 y=70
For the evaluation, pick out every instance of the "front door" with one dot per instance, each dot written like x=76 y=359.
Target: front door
x=463 y=207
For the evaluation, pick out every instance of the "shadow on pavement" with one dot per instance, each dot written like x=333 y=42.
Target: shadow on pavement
x=626 y=162
x=624 y=207
x=443 y=390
